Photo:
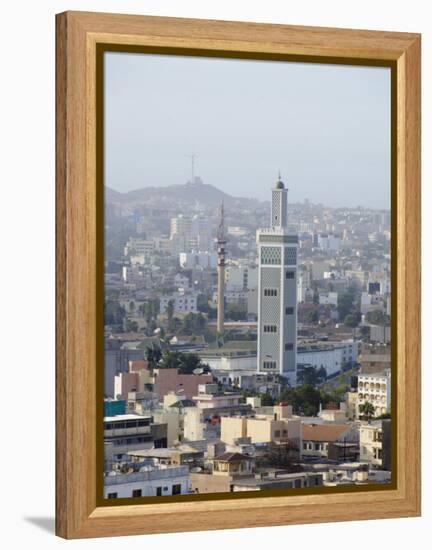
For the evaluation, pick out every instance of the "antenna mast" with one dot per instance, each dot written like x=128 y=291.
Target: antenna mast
x=192 y=156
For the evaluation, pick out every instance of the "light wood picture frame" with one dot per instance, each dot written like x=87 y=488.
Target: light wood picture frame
x=81 y=38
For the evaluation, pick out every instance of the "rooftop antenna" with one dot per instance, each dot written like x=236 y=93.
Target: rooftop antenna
x=192 y=156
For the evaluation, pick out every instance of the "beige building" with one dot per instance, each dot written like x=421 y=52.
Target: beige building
x=351 y=402
x=278 y=427
x=318 y=438
x=374 y=362
x=371 y=447
x=233 y=465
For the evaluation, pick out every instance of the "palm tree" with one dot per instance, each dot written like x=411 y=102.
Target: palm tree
x=170 y=312
x=367 y=410
x=153 y=355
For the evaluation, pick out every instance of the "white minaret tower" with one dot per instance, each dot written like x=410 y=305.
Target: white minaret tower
x=277 y=292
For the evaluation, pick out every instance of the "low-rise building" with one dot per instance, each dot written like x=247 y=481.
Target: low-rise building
x=183 y=302
x=275 y=479
x=328 y=298
x=170 y=380
x=277 y=427
x=151 y=481
x=209 y=397
x=317 y=438
x=233 y=464
x=371 y=450
x=205 y=260
x=127 y=432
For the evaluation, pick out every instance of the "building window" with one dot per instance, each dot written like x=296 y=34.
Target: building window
x=176 y=489
x=158 y=491
x=289 y=310
x=270 y=255
x=270 y=328
x=277 y=433
x=112 y=495
x=270 y=292
x=268 y=365
x=137 y=493
x=289 y=347
x=289 y=274
x=290 y=255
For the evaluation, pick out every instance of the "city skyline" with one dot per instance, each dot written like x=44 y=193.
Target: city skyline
x=247 y=345
x=244 y=132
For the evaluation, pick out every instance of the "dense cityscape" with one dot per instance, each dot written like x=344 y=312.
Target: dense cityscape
x=247 y=343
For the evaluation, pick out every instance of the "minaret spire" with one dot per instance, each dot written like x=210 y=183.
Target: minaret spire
x=277 y=291
x=221 y=242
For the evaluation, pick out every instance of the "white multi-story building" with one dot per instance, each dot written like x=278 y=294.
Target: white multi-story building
x=329 y=241
x=331 y=355
x=137 y=246
x=205 y=260
x=181 y=280
x=375 y=389
x=277 y=295
x=194 y=231
x=304 y=290
x=239 y=278
x=151 y=481
x=328 y=298
x=134 y=275
x=183 y=302
x=233 y=297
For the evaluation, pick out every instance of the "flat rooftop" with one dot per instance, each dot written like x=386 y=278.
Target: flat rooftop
x=122 y=417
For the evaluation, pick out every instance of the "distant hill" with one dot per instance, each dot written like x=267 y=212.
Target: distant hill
x=192 y=195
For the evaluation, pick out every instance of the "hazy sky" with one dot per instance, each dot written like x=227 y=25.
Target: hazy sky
x=325 y=127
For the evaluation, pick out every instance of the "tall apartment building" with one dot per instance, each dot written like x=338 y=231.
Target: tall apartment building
x=194 y=232
x=277 y=291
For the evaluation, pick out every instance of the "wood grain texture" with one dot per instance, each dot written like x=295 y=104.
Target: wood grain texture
x=77 y=514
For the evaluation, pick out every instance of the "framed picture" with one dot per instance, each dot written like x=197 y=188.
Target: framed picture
x=238 y=275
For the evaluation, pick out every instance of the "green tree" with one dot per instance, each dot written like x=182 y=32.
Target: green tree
x=153 y=354
x=190 y=362
x=346 y=302
x=352 y=320
x=283 y=456
x=203 y=305
x=236 y=312
x=114 y=313
x=378 y=317
x=305 y=399
x=267 y=400
x=308 y=375
x=193 y=323
x=170 y=312
x=312 y=316
x=186 y=363
x=365 y=331
x=131 y=326
x=367 y=410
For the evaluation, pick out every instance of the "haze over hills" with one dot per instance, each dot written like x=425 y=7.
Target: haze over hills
x=189 y=194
